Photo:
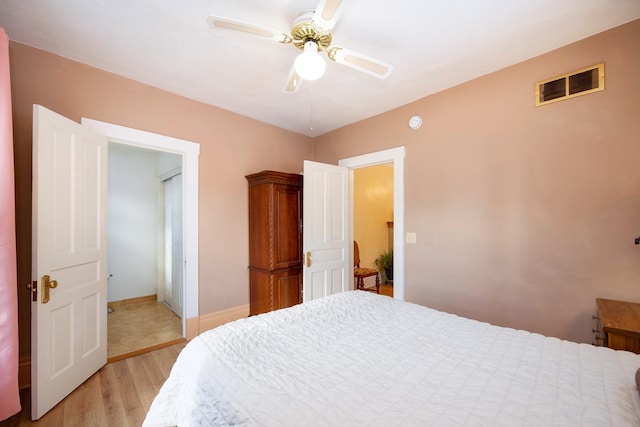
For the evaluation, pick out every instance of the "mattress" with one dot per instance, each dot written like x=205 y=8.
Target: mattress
x=358 y=358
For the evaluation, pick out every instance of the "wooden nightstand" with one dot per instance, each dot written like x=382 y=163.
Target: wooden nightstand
x=620 y=324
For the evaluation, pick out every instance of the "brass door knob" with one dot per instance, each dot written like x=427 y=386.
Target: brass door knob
x=46 y=285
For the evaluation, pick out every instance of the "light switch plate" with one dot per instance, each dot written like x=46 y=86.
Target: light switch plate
x=411 y=238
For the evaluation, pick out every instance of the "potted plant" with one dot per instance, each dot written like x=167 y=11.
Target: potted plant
x=385 y=264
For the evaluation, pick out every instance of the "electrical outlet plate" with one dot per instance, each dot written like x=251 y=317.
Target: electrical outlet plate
x=411 y=238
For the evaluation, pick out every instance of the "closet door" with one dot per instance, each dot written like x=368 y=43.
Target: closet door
x=176 y=242
x=173 y=263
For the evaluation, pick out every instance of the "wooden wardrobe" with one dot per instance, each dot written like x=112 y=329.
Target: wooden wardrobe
x=275 y=241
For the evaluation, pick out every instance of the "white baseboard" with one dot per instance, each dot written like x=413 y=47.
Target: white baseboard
x=213 y=320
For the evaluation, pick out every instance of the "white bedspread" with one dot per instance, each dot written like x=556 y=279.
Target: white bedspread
x=362 y=359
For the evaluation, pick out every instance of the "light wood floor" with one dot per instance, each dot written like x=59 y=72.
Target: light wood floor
x=118 y=395
x=134 y=327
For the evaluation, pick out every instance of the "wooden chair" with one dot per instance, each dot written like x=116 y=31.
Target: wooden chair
x=361 y=273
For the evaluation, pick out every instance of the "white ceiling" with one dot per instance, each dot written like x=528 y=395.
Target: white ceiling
x=432 y=45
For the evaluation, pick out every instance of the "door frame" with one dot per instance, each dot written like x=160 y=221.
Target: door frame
x=189 y=152
x=395 y=156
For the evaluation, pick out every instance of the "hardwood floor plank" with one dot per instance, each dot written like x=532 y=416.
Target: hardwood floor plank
x=154 y=373
x=113 y=406
x=118 y=395
x=73 y=412
x=129 y=394
x=53 y=418
x=386 y=289
x=93 y=408
x=140 y=379
x=165 y=360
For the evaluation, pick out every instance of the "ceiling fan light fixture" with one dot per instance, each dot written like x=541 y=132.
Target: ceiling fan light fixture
x=309 y=64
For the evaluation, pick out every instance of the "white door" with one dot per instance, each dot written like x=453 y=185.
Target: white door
x=69 y=333
x=326 y=236
x=178 y=258
x=173 y=271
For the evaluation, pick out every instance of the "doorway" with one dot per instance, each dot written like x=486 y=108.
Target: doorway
x=144 y=207
x=394 y=156
x=189 y=152
x=73 y=201
x=373 y=221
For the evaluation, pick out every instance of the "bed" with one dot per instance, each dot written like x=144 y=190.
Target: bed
x=358 y=358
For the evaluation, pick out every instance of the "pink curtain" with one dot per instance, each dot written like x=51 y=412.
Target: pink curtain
x=9 y=394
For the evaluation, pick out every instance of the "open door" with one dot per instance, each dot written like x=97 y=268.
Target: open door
x=326 y=234
x=69 y=291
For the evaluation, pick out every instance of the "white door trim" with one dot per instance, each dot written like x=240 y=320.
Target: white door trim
x=395 y=156
x=190 y=152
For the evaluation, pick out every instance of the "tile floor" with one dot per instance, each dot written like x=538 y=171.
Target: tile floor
x=137 y=326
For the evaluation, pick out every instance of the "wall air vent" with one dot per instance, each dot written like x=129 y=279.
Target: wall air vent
x=570 y=85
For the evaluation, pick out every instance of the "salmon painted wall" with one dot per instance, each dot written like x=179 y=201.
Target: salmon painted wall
x=231 y=146
x=523 y=214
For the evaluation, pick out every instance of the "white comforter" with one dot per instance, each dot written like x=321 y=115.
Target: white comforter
x=362 y=359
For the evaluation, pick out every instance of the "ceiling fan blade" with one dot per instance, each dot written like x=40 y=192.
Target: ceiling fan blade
x=327 y=13
x=360 y=62
x=258 y=30
x=293 y=81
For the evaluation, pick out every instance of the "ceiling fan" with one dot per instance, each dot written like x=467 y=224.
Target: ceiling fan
x=310 y=32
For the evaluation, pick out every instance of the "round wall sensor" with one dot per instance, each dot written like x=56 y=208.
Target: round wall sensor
x=415 y=122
